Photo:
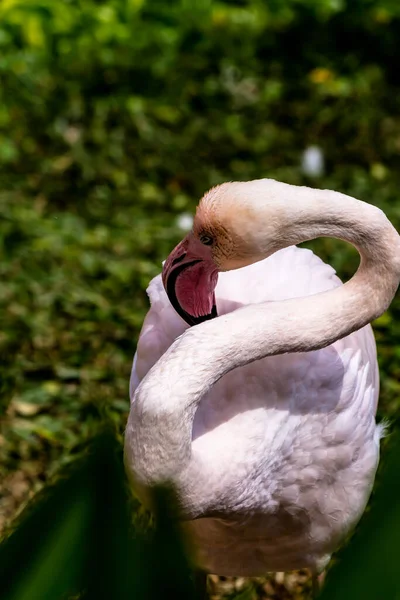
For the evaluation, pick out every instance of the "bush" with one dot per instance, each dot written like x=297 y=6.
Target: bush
x=115 y=117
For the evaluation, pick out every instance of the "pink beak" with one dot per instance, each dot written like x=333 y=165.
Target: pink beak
x=189 y=277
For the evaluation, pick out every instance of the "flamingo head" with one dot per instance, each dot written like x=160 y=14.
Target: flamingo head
x=222 y=239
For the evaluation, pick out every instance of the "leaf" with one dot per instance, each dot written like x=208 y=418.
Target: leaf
x=44 y=557
x=78 y=537
x=368 y=567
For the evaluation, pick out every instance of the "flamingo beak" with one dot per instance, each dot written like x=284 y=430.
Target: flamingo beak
x=189 y=277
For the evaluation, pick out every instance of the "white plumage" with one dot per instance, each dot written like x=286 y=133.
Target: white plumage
x=286 y=445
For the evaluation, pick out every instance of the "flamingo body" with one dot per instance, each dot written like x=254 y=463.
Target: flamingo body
x=288 y=444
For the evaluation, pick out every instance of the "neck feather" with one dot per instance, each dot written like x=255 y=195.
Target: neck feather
x=166 y=400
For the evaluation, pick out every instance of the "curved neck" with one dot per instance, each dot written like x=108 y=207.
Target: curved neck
x=166 y=400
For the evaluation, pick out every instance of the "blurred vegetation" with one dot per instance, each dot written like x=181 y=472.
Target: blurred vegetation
x=78 y=540
x=115 y=117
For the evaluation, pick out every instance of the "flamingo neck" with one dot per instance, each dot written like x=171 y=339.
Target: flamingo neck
x=166 y=401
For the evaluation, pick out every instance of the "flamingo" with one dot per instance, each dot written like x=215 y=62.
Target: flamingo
x=263 y=418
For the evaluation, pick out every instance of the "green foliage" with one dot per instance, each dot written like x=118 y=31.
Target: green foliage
x=115 y=117
x=368 y=567
x=79 y=540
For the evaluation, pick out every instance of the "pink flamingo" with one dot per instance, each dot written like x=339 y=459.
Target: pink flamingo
x=264 y=418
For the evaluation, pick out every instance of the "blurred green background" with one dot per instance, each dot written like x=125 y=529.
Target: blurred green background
x=115 y=117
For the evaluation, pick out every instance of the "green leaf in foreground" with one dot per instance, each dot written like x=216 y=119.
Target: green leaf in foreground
x=368 y=567
x=79 y=538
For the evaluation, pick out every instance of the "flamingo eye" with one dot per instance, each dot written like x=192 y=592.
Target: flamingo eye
x=207 y=240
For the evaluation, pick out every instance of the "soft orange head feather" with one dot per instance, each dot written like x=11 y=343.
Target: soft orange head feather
x=228 y=214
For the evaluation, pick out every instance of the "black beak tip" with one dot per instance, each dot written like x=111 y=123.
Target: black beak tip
x=197 y=320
